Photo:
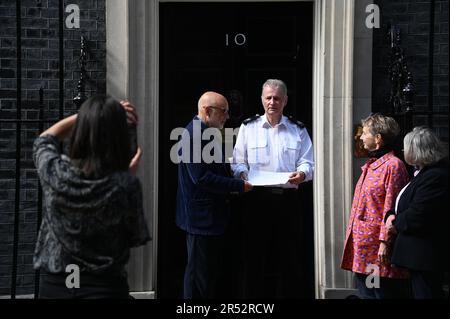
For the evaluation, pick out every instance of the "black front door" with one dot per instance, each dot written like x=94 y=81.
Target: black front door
x=231 y=49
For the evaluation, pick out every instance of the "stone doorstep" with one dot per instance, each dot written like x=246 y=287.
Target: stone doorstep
x=136 y=295
x=329 y=294
x=18 y=297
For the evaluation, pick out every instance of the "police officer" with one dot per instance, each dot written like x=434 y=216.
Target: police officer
x=272 y=215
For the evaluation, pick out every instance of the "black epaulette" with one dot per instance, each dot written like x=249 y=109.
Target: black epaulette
x=251 y=119
x=296 y=122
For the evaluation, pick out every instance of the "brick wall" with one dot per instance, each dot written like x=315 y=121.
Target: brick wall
x=413 y=17
x=40 y=69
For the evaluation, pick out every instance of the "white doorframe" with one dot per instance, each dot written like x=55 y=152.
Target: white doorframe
x=332 y=123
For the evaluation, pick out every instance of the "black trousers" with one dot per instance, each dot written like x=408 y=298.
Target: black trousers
x=203 y=266
x=53 y=286
x=389 y=288
x=273 y=251
x=427 y=284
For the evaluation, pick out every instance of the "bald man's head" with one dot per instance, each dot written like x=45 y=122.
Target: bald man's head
x=213 y=109
x=211 y=99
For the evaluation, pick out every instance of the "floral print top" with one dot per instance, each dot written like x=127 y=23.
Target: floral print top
x=375 y=193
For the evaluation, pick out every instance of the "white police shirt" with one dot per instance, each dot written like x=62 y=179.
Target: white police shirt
x=286 y=147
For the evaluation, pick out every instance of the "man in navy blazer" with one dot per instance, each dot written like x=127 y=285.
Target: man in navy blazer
x=204 y=184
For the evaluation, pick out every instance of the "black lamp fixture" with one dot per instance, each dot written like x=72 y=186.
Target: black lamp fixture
x=81 y=96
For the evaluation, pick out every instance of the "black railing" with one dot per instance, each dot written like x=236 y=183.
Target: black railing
x=402 y=91
x=18 y=121
x=39 y=199
x=81 y=96
x=430 y=64
x=18 y=148
x=401 y=98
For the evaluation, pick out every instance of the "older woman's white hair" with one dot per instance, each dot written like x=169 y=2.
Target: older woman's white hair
x=422 y=147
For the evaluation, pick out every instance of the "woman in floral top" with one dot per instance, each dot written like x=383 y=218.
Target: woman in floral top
x=93 y=209
x=366 y=249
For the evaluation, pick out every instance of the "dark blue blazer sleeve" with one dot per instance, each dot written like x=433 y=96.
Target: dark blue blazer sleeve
x=202 y=176
x=211 y=177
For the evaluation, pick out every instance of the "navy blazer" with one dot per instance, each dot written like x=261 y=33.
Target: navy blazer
x=422 y=222
x=203 y=189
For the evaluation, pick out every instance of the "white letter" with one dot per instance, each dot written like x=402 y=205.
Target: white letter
x=229 y=139
x=183 y=144
x=73 y=20
x=374 y=274
x=197 y=142
x=215 y=145
x=206 y=311
x=242 y=36
x=373 y=19
x=73 y=280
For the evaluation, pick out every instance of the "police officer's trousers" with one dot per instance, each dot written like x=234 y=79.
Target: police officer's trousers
x=273 y=258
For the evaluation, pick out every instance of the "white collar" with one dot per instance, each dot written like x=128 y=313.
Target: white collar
x=266 y=124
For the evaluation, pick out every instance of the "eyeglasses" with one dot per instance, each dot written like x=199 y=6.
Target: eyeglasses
x=224 y=111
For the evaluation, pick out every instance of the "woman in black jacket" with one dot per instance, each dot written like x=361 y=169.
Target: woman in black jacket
x=420 y=219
